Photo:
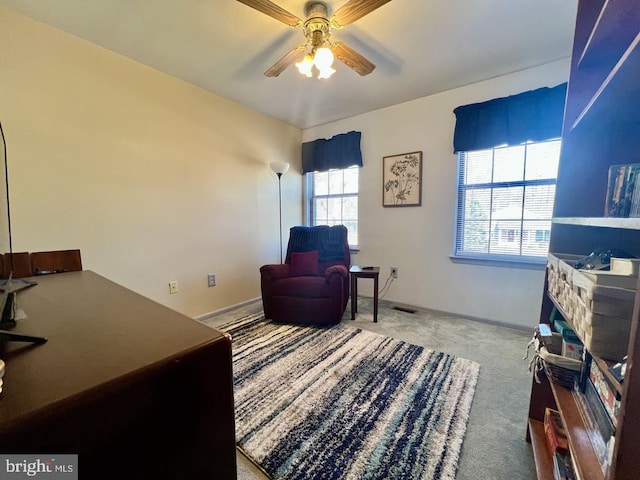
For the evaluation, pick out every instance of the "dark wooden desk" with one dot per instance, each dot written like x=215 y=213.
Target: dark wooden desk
x=136 y=389
x=359 y=272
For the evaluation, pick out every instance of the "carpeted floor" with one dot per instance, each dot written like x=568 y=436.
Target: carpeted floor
x=494 y=447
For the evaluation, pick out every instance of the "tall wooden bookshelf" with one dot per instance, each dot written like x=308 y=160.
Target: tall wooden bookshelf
x=601 y=128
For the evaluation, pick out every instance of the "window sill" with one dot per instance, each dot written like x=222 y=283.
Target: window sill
x=529 y=263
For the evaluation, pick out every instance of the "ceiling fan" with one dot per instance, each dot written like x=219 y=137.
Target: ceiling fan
x=319 y=50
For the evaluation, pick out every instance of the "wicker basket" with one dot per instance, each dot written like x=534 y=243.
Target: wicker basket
x=599 y=313
x=562 y=370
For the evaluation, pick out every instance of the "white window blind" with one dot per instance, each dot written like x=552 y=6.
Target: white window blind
x=505 y=201
x=333 y=199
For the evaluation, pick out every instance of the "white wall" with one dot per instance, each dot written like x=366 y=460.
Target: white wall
x=418 y=240
x=152 y=178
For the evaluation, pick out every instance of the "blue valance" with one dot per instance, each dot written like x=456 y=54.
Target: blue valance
x=534 y=116
x=340 y=151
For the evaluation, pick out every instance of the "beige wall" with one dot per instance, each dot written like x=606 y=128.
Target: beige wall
x=419 y=240
x=152 y=178
x=157 y=180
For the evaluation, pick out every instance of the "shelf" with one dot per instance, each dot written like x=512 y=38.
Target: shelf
x=541 y=454
x=600 y=129
x=577 y=434
x=622 y=82
x=607 y=39
x=604 y=222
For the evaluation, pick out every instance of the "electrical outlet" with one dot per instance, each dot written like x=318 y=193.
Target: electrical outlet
x=394 y=272
x=211 y=280
x=173 y=286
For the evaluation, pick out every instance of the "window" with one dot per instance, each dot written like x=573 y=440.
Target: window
x=333 y=199
x=505 y=201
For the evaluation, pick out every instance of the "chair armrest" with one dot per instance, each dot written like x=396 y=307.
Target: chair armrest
x=338 y=270
x=275 y=271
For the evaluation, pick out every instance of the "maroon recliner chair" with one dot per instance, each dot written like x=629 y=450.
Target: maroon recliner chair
x=312 y=286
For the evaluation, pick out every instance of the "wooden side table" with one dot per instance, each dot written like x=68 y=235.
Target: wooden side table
x=357 y=272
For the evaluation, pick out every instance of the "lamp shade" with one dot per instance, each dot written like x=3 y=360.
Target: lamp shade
x=279 y=168
x=304 y=67
x=323 y=58
x=326 y=72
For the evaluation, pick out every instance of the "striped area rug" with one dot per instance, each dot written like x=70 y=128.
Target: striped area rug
x=342 y=403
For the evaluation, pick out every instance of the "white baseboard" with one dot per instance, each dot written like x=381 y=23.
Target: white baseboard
x=209 y=315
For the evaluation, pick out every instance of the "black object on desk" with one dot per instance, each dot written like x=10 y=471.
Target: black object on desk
x=7 y=307
x=18 y=337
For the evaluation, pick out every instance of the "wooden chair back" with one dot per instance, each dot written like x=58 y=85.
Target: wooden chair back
x=18 y=262
x=55 y=261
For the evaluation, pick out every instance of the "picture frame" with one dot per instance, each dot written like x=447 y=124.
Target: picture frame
x=402 y=180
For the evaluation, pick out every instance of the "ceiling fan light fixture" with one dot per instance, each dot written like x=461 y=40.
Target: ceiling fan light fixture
x=304 y=67
x=317 y=29
x=323 y=59
x=326 y=72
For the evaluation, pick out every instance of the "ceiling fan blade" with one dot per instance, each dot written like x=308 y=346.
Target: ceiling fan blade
x=352 y=59
x=285 y=61
x=274 y=11
x=353 y=10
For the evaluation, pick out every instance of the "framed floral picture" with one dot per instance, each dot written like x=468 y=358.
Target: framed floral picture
x=402 y=180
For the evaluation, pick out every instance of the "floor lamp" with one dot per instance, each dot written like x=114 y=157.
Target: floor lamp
x=280 y=168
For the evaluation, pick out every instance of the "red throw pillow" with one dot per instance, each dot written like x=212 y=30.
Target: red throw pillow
x=304 y=263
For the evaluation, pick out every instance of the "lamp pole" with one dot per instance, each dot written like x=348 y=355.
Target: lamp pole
x=280 y=209
x=280 y=168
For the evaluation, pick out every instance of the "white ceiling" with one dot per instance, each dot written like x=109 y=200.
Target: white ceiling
x=420 y=47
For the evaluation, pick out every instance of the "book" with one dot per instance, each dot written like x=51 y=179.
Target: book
x=598 y=443
x=634 y=209
x=620 y=189
x=572 y=346
x=598 y=411
x=599 y=427
x=562 y=469
x=565 y=330
x=608 y=394
x=556 y=320
x=572 y=349
x=555 y=432
x=574 y=468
